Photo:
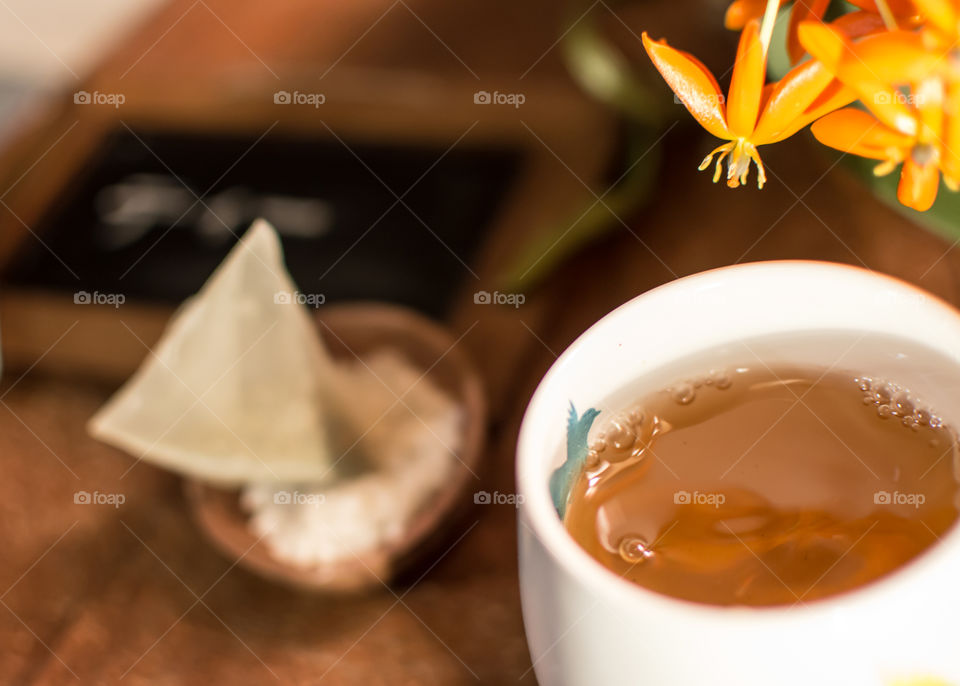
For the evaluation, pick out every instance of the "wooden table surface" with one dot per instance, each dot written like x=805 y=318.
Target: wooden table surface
x=135 y=595
x=99 y=594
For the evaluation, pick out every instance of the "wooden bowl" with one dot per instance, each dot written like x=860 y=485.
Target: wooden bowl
x=361 y=329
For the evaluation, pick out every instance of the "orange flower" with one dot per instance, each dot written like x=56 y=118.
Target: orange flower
x=941 y=35
x=941 y=23
x=751 y=115
x=902 y=127
x=742 y=11
x=900 y=8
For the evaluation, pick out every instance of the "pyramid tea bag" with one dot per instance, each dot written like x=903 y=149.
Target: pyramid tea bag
x=240 y=388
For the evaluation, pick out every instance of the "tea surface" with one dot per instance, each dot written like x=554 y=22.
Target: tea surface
x=766 y=486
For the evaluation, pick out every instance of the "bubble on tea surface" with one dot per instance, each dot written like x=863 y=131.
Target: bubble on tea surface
x=599 y=445
x=721 y=379
x=903 y=404
x=683 y=393
x=884 y=394
x=620 y=434
x=634 y=550
x=892 y=400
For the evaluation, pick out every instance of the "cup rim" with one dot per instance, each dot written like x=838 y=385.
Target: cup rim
x=537 y=513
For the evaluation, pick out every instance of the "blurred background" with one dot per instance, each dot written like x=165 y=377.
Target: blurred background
x=417 y=152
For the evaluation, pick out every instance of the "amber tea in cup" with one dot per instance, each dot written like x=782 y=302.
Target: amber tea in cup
x=765 y=483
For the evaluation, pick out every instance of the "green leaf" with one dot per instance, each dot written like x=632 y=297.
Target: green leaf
x=552 y=245
x=942 y=219
x=601 y=70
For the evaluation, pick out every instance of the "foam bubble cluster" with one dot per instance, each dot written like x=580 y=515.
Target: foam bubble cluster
x=685 y=392
x=892 y=400
x=619 y=435
x=618 y=438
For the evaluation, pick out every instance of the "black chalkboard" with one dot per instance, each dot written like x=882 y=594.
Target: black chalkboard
x=131 y=222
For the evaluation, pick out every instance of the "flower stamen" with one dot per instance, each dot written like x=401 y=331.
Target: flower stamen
x=738 y=166
x=761 y=172
x=724 y=150
x=894 y=157
x=741 y=152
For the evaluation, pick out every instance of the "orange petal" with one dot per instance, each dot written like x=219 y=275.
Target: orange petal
x=893 y=57
x=928 y=96
x=918 y=184
x=790 y=97
x=876 y=64
x=746 y=85
x=858 y=24
x=940 y=13
x=835 y=96
x=950 y=162
x=888 y=105
x=801 y=11
x=741 y=11
x=693 y=84
x=855 y=131
x=870 y=80
x=826 y=44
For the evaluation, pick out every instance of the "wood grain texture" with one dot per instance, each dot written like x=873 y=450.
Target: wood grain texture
x=118 y=583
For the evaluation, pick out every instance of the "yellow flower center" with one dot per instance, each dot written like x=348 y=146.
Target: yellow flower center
x=738 y=153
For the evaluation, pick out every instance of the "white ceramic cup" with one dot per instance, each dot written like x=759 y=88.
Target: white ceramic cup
x=586 y=626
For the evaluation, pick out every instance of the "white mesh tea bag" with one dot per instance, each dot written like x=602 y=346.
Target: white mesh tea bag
x=240 y=388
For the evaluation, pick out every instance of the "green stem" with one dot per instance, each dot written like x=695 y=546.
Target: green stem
x=553 y=245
